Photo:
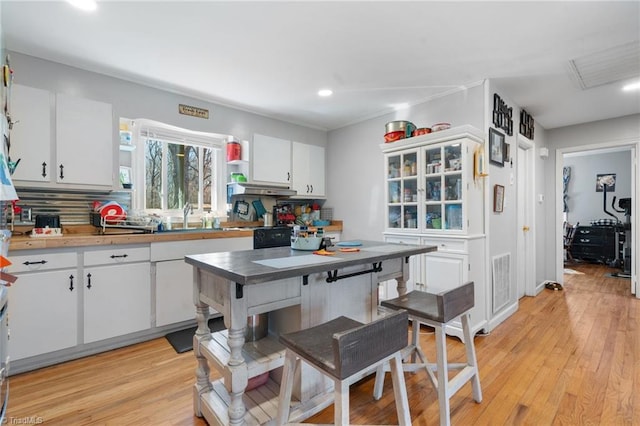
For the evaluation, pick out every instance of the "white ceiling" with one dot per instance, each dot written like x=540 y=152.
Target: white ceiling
x=272 y=57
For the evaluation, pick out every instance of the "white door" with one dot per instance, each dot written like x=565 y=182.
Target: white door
x=525 y=254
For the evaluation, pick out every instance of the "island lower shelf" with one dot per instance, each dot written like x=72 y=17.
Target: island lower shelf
x=261 y=404
x=260 y=357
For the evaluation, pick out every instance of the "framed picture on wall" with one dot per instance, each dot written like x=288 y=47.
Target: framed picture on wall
x=496 y=147
x=125 y=177
x=608 y=180
x=498 y=198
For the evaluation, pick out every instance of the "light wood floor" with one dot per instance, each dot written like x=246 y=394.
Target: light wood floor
x=569 y=357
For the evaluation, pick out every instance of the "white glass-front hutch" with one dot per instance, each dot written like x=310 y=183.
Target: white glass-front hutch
x=432 y=198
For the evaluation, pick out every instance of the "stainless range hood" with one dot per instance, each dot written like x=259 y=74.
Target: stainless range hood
x=251 y=188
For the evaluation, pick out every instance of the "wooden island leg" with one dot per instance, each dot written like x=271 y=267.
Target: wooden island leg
x=401 y=286
x=203 y=383
x=239 y=377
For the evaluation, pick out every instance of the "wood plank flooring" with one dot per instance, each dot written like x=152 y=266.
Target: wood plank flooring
x=569 y=357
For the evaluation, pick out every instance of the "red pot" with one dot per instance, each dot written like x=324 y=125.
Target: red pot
x=421 y=131
x=394 y=136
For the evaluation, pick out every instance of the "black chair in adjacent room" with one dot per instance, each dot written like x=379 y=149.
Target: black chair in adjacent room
x=569 y=234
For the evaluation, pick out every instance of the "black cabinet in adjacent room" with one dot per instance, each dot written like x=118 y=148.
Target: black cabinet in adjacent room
x=595 y=243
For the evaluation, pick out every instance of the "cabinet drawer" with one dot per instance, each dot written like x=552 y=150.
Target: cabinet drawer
x=589 y=240
x=34 y=262
x=401 y=239
x=447 y=245
x=116 y=255
x=593 y=231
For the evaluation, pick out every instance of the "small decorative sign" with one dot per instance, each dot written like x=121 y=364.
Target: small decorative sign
x=193 y=111
x=502 y=115
x=526 y=124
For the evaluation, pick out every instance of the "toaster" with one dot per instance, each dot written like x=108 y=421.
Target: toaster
x=47 y=221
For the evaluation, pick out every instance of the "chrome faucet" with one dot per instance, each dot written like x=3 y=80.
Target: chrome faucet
x=185 y=214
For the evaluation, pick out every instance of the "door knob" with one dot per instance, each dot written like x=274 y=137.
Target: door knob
x=525 y=228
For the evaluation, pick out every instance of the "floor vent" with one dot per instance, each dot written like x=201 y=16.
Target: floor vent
x=501 y=279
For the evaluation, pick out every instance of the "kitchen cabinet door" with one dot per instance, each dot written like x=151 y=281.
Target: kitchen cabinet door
x=271 y=160
x=84 y=142
x=174 y=292
x=117 y=300
x=31 y=134
x=308 y=170
x=43 y=313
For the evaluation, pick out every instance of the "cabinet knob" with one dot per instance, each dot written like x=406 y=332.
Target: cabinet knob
x=61 y=171
x=89 y=280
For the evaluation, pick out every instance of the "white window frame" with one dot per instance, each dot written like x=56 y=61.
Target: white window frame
x=172 y=134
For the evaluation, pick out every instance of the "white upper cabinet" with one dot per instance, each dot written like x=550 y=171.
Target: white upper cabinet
x=308 y=170
x=430 y=185
x=31 y=134
x=82 y=151
x=271 y=160
x=84 y=141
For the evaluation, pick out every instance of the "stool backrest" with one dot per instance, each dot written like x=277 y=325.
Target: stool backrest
x=456 y=301
x=367 y=344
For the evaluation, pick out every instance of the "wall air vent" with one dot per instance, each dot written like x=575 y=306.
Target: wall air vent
x=501 y=278
x=607 y=66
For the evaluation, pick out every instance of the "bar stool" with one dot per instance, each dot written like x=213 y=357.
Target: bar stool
x=346 y=350
x=437 y=310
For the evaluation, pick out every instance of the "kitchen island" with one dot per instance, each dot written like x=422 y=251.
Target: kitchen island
x=298 y=290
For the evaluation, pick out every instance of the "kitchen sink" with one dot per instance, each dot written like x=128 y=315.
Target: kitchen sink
x=174 y=230
x=199 y=229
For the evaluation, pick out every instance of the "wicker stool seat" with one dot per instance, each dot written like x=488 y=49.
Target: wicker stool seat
x=345 y=351
x=437 y=310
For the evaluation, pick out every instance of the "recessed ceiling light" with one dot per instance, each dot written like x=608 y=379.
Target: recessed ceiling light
x=632 y=86
x=87 y=5
x=398 y=107
x=325 y=92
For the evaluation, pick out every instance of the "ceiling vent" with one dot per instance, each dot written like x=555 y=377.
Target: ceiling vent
x=615 y=64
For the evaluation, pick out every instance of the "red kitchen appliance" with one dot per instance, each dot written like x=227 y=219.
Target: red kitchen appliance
x=234 y=151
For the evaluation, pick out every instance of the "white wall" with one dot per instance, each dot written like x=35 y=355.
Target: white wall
x=355 y=164
x=584 y=203
x=132 y=100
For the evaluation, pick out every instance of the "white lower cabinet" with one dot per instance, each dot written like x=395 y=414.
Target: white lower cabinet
x=459 y=259
x=117 y=294
x=174 y=292
x=174 y=277
x=43 y=303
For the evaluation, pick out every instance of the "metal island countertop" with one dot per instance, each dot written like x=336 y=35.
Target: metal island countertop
x=248 y=267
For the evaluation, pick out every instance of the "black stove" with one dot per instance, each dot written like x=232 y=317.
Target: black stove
x=269 y=237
